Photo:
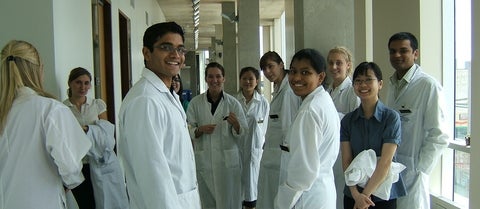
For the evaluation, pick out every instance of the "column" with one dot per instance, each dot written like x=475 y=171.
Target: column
x=229 y=54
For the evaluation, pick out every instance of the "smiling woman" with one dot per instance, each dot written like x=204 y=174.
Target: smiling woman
x=312 y=142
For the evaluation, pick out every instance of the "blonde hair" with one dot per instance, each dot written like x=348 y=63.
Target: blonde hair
x=346 y=53
x=20 y=66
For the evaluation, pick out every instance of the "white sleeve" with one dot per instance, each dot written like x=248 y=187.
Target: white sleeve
x=67 y=144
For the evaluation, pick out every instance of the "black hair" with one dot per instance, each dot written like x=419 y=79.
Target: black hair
x=317 y=61
x=215 y=65
x=271 y=55
x=254 y=71
x=363 y=68
x=156 y=31
x=180 y=90
x=404 y=36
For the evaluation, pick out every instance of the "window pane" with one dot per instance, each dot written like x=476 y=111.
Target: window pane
x=463 y=67
x=462 y=178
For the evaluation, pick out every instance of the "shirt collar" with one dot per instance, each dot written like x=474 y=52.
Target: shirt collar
x=155 y=80
x=378 y=114
x=407 y=77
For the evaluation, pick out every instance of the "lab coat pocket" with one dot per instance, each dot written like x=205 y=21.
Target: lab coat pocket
x=232 y=158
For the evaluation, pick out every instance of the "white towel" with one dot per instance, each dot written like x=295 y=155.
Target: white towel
x=361 y=169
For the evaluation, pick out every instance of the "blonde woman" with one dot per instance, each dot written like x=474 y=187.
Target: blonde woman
x=41 y=143
x=341 y=90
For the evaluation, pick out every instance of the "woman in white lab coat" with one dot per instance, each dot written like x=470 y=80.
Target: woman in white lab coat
x=283 y=107
x=104 y=179
x=217 y=123
x=312 y=143
x=256 y=110
x=341 y=90
x=41 y=143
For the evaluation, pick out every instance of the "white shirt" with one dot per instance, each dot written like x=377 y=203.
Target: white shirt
x=256 y=112
x=89 y=111
x=313 y=141
x=155 y=148
x=40 y=152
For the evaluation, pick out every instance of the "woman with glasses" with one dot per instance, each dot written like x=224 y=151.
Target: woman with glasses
x=311 y=145
x=177 y=87
x=370 y=126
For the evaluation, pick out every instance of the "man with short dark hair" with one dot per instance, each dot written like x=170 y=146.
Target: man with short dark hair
x=154 y=145
x=418 y=98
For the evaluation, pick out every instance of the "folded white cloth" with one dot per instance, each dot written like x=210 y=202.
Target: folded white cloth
x=361 y=169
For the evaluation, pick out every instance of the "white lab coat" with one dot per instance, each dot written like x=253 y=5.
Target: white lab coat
x=345 y=101
x=421 y=107
x=344 y=97
x=107 y=177
x=154 y=148
x=218 y=154
x=41 y=150
x=252 y=141
x=283 y=108
x=313 y=141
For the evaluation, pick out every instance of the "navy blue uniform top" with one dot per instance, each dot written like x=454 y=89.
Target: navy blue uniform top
x=363 y=134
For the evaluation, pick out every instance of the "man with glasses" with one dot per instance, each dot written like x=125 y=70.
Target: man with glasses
x=154 y=145
x=418 y=98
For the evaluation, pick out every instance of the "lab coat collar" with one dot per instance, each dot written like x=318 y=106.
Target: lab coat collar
x=24 y=91
x=155 y=80
x=318 y=90
x=347 y=82
x=256 y=96
x=408 y=77
x=378 y=114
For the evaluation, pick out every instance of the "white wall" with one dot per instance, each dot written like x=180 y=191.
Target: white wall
x=61 y=30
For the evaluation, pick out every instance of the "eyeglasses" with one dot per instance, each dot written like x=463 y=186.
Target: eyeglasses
x=176 y=79
x=368 y=81
x=169 y=48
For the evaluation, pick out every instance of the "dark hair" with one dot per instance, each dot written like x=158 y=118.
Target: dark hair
x=156 y=31
x=317 y=61
x=404 y=36
x=254 y=71
x=215 y=65
x=271 y=55
x=180 y=90
x=363 y=67
x=74 y=74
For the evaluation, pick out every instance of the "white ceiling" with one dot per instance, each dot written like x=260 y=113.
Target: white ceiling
x=181 y=11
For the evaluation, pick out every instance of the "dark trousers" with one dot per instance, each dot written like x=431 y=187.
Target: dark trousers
x=348 y=203
x=83 y=193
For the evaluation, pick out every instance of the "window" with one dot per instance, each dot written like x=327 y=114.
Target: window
x=463 y=65
x=457 y=39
